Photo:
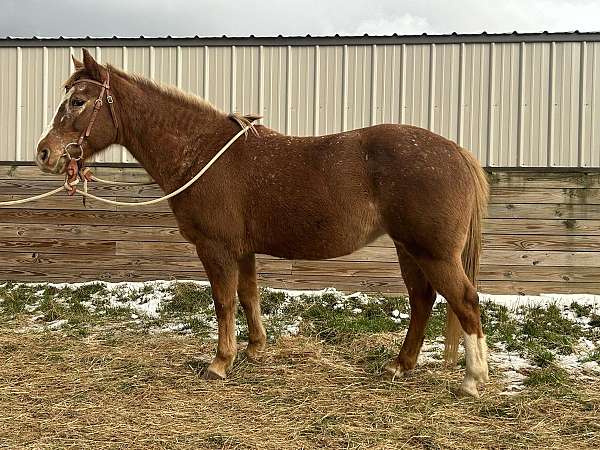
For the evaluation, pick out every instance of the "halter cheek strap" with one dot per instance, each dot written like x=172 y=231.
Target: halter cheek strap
x=75 y=168
x=98 y=103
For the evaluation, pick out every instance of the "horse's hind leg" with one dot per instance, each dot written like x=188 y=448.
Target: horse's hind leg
x=421 y=296
x=449 y=279
x=248 y=295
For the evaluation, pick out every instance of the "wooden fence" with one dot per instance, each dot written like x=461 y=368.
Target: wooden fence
x=542 y=236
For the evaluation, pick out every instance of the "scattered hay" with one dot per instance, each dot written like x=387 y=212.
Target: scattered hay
x=137 y=390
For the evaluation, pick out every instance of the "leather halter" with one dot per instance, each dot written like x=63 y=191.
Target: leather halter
x=75 y=168
x=105 y=90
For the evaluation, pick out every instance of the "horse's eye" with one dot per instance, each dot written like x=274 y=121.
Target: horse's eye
x=77 y=102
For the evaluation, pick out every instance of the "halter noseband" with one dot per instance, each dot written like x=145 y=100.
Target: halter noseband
x=75 y=166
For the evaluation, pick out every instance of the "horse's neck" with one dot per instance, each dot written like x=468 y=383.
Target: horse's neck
x=167 y=135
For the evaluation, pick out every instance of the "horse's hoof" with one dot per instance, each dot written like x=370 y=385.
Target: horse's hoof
x=469 y=387
x=213 y=374
x=254 y=354
x=392 y=371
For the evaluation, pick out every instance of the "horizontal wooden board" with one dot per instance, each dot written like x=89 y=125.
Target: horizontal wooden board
x=64 y=202
x=537 y=287
x=488 y=272
x=124 y=248
x=32 y=172
x=394 y=285
x=546 y=180
x=23 y=216
x=568 y=227
x=541 y=195
x=541 y=243
x=542 y=211
x=91 y=232
x=52 y=245
x=79 y=275
x=34 y=187
x=540 y=258
x=73 y=262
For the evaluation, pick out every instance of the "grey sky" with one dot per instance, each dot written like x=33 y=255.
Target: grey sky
x=97 y=18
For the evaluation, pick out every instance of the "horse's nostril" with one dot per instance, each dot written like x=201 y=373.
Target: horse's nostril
x=44 y=154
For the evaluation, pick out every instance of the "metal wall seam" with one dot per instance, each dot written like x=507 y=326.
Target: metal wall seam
x=461 y=95
x=491 y=100
x=124 y=153
x=344 y=88
x=205 y=84
x=232 y=81
x=45 y=118
x=520 y=106
x=480 y=109
x=594 y=104
x=373 y=118
x=431 y=82
x=288 y=89
x=19 y=108
x=551 y=84
x=582 y=88
x=402 y=102
x=178 y=67
x=261 y=81
x=317 y=87
x=152 y=63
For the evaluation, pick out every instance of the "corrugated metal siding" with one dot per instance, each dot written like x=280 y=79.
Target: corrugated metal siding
x=532 y=104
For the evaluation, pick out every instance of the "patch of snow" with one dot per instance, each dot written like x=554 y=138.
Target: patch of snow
x=513 y=302
x=591 y=367
x=57 y=324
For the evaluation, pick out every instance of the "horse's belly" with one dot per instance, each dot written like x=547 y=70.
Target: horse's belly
x=319 y=239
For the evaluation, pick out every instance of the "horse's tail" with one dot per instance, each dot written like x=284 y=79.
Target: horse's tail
x=471 y=250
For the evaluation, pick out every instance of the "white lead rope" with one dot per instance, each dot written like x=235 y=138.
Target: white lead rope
x=148 y=202
x=32 y=199
x=122 y=183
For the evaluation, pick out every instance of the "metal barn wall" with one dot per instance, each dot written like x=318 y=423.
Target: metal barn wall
x=530 y=103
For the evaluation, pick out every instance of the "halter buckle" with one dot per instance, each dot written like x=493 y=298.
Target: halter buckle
x=109 y=99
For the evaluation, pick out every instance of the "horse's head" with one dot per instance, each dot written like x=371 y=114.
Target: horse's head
x=85 y=122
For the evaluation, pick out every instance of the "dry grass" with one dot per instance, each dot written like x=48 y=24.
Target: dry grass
x=135 y=390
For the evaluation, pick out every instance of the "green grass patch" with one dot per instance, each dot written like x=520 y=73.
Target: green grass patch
x=548 y=328
x=436 y=326
x=552 y=381
x=538 y=333
x=16 y=298
x=334 y=323
x=186 y=300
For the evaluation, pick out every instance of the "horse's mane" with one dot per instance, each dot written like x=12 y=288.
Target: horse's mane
x=182 y=97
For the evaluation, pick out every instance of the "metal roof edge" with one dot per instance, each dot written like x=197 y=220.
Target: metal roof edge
x=169 y=41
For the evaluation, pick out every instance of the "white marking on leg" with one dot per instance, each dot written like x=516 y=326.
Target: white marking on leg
x=483 y=354
x=476 y=359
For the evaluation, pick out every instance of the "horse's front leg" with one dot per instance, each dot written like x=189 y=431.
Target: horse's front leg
x=222 y=270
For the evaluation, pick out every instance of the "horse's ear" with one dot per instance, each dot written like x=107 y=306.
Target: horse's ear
x=91 y=66
x=76 y=63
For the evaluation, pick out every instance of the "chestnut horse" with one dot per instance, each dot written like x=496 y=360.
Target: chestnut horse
x=293 y=197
